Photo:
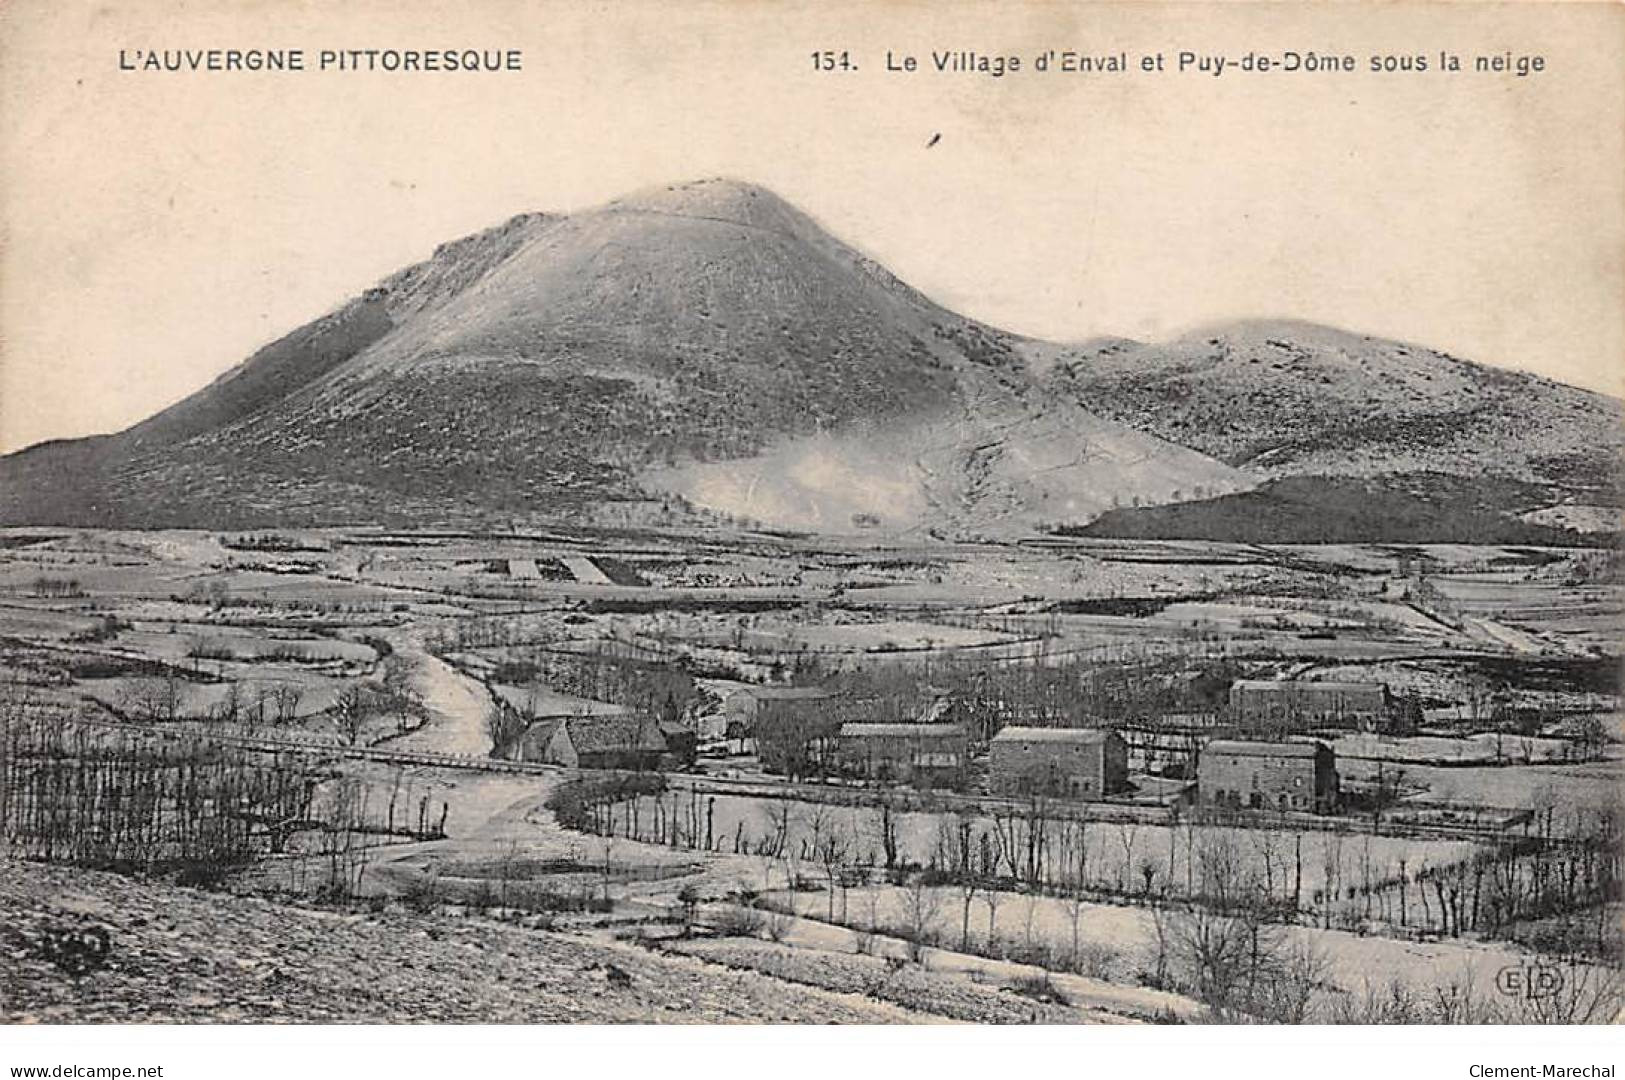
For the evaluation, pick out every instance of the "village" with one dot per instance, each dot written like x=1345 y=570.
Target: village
x=940 y=750
x=1081 y=774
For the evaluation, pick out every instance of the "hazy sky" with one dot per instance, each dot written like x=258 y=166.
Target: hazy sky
x=160 y=226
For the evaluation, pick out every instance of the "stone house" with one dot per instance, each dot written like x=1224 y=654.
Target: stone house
x=1078 y=763
x=1299 y=776
x=926 y=755
x=1294 y=704
x=614 y=741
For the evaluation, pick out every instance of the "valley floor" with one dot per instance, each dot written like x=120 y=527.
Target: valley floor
x=1506 y=653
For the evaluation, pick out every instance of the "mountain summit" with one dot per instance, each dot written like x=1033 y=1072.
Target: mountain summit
x=708 y=349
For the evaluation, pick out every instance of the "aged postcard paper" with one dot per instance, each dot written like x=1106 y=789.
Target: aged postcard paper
x=1041 y=513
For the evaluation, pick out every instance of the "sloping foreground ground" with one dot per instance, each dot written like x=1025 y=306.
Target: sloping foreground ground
x=180 y=955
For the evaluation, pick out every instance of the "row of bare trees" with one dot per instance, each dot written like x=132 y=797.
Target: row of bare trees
x=1231 y=944
x=387 y=698
x=163 y=699
x=138 y=801
x=1223 y=906
x=1551 y=888
x=390 y=699
x=1557 y=892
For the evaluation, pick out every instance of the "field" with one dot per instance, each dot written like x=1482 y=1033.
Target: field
x=365 y=677
x=1118 y=944
x=1114 y=854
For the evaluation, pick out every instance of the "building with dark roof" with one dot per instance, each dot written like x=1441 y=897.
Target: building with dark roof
x=1298 y=776
x=604 y=741
x=1079 y=763
x=929 y=755
x=1291 y=703
x=533 y=743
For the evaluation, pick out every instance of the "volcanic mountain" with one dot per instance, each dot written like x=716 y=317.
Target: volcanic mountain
x=706 y=350
x=700 y=346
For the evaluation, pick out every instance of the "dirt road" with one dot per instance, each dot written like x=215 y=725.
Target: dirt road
x=457 y=704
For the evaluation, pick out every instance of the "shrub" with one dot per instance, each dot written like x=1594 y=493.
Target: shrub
x=423 y=896
x=1097 y=960
x=740 y=922
x=1039 y=988
x=777 y=923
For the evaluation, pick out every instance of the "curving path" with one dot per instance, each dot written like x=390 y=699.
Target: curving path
x=457 y=705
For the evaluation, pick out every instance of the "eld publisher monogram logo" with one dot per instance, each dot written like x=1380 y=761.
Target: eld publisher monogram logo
x=1529 y=981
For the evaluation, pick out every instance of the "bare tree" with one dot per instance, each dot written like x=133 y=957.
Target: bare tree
x=286 y=698
x=1285 y=989
x=1148 y=874
x=956 y=852
x=606 y=848
x=920 y=906
x=507 y=868
x=886 y=828
x=832 y=850
x=988 y=863
x=1127 y=834
x=689 y=898
x=1226 y=947
x=780 y=817
x=231 y=704
x=1029 y=910
x=1161 y=930
x=1266 y=845
x=864 y=937
x=351 y=711
x=505 y=726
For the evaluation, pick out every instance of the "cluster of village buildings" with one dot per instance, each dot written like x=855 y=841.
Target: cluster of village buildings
x=938 y=751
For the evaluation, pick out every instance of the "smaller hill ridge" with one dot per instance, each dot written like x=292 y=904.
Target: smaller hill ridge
x=1282 y=398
